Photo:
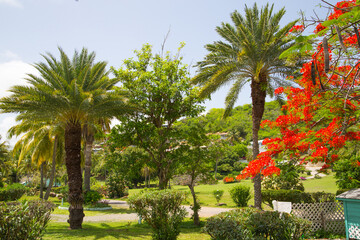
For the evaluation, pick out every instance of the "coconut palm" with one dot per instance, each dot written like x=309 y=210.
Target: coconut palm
x=249 y=54
x=44 y=141
x=68 y=92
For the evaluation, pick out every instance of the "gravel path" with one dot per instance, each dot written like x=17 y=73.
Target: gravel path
x=204 y=212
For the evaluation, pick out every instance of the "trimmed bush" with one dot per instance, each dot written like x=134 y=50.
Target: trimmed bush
x=295 y=196
x=246 y=224
x=240 y=194
x=12 y=192
x=162 y=210
x=92 y=197
x=229 y=225
x=276 y=225
x=27 y=220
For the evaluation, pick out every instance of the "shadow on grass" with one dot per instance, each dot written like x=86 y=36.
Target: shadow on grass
x=114 y=230
x=94 y=231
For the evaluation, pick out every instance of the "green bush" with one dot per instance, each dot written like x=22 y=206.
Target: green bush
x=162 y=210
x=240 y=195
x=27 y=220
x=276 y=225
x=116 y=187
x=229 y=225
x=12 y=192
x=218 y=194
x=91 y=197
x=246 y=224
x=295 y=196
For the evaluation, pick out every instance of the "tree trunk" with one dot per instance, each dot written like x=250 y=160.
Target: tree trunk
x=258 y=95
x=73 y=167
x=216 y=166
x=163 y=181
x=52 y=175
x=196 y=206
x=42 y=180
x=88 y=149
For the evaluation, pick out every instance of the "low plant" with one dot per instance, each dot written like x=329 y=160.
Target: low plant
x=91 y=197
x=295 y=196
x=250 y=223
x=26 y=220
x=218 y=195
x=162 y=210
x=228 y=179
x=240 y=194
x=12 y=192
x=229 y=225
x=276 y=225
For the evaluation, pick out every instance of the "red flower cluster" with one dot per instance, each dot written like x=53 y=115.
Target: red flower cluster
x=297 y=28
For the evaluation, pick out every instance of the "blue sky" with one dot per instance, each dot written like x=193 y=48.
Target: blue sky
x=115 y=28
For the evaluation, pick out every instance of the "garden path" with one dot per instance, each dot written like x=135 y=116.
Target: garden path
x=204 y=212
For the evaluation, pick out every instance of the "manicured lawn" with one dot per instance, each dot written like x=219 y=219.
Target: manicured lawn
x=117 y=230
x=326 y=184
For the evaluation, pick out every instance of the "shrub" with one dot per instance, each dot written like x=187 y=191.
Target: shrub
x=240 y=195
x=276 y=225
x=246 y=224
x=91 y=197
x=12 y=192
x=228 y=179
x=162 y=210
x=218 y=194
x=116 y=187
x=24 y=221
x=295 y=196
x=229 y=225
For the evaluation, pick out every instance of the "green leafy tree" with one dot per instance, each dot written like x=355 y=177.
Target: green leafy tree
x=159 y=86
x=127 y=163
x=196 y=157
x=69 y=92
x=250 y=54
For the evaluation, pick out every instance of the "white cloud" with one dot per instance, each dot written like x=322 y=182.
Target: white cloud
x=13 y=3
x=10 y=55
x=6 y=122
x=13 y=73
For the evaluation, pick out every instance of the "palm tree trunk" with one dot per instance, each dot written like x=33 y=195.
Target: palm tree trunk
x=42 y=180
x=88 y=150
x=52 y=175
x=73 y=167
x=258 y=95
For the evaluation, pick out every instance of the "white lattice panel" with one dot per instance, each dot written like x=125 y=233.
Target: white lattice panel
x=354 y=232
x=328 y=216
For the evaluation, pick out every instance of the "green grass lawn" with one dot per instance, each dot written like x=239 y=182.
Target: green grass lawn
x=117 y=230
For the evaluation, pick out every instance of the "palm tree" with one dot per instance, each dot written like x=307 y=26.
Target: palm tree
x=250 y=54
x=68 y=92
x=45 y=141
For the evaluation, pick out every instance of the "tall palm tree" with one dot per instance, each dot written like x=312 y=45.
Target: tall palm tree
x=249 y=54
x=69 y=92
